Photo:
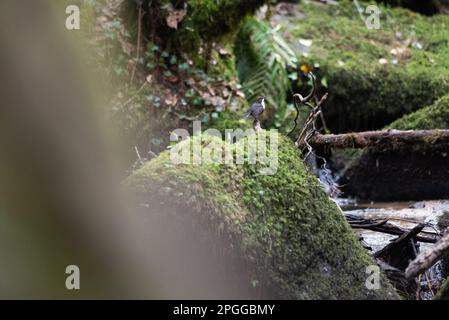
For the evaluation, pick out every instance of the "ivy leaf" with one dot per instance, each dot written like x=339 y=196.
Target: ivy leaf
x=174 y=16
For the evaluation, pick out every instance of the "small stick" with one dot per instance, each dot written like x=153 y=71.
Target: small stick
x=310 y=121
x=139 y=35
x=138 y=155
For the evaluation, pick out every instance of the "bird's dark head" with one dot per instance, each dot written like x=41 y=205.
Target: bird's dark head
x=260 y=99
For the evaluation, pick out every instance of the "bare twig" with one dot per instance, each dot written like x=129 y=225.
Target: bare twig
x=134 y=95
x=310 y=122
x=429 y=285
x=295 y=103
x=138 y=155
x=323 y=121
x=139 y=35
x=299 y=99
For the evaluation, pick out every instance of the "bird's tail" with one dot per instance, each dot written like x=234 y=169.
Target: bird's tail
x=247 y=114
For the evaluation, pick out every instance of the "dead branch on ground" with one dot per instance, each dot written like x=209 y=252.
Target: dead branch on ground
x=428 y=257
x=383 y=226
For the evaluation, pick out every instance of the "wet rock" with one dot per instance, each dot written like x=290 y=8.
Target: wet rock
x=403 y=174
x=406 y=173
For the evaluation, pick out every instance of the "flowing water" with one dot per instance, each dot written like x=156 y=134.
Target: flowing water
x=405 y=214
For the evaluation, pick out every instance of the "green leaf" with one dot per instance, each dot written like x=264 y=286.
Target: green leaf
x=262 y=60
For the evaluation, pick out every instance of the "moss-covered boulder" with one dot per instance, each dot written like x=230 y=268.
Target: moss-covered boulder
x=290 y=238
x=373 y=76
x=429 y=7
x=404 y=173
x=435 y=116
x=185 y=25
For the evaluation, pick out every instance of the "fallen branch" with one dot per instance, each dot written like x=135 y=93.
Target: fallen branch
x=384 y=227
x=428 y=257
x=384 y=138
x=400 y=251
x=367 y=224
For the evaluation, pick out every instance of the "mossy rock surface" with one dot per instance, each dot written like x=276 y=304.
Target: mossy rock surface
x=435 y=116
x=184 y=25
x=443 y=293
x=292 y=239
x=373 y=76
x=412 y=173
x=402 y=174
x=428 y=7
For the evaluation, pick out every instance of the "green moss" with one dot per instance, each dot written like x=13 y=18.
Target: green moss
x=425 y=7
x=292 y=237
x=231 y=120
x=262 y=60
x=435 y=116
x=168 y=90
x=212 y=19
x=204 y=21
x=443 y=293
x=365 y=94
x=170 y=86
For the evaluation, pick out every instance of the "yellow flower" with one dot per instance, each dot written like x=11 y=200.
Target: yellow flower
x=305 y=68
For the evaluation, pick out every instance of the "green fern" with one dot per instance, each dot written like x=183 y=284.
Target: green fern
x=262 y=60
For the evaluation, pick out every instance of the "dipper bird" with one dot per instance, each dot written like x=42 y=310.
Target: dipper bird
x=256 y=108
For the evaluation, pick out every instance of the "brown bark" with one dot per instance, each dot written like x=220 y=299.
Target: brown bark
x=384 y=138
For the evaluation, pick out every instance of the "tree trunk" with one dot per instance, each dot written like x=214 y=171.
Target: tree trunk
x=383 y=139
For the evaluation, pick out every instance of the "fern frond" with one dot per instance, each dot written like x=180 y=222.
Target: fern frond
x=262 y=60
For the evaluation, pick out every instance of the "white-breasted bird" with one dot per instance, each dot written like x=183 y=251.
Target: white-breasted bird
x=256 y=108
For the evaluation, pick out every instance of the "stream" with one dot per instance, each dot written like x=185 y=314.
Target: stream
x=407 y=215
x=403 y=214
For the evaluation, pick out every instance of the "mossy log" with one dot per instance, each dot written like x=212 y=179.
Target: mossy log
x=407 y=172
x=435 y=116
x=380 y=139
x=373 y=76
x=182 y=25
x=277 y=236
